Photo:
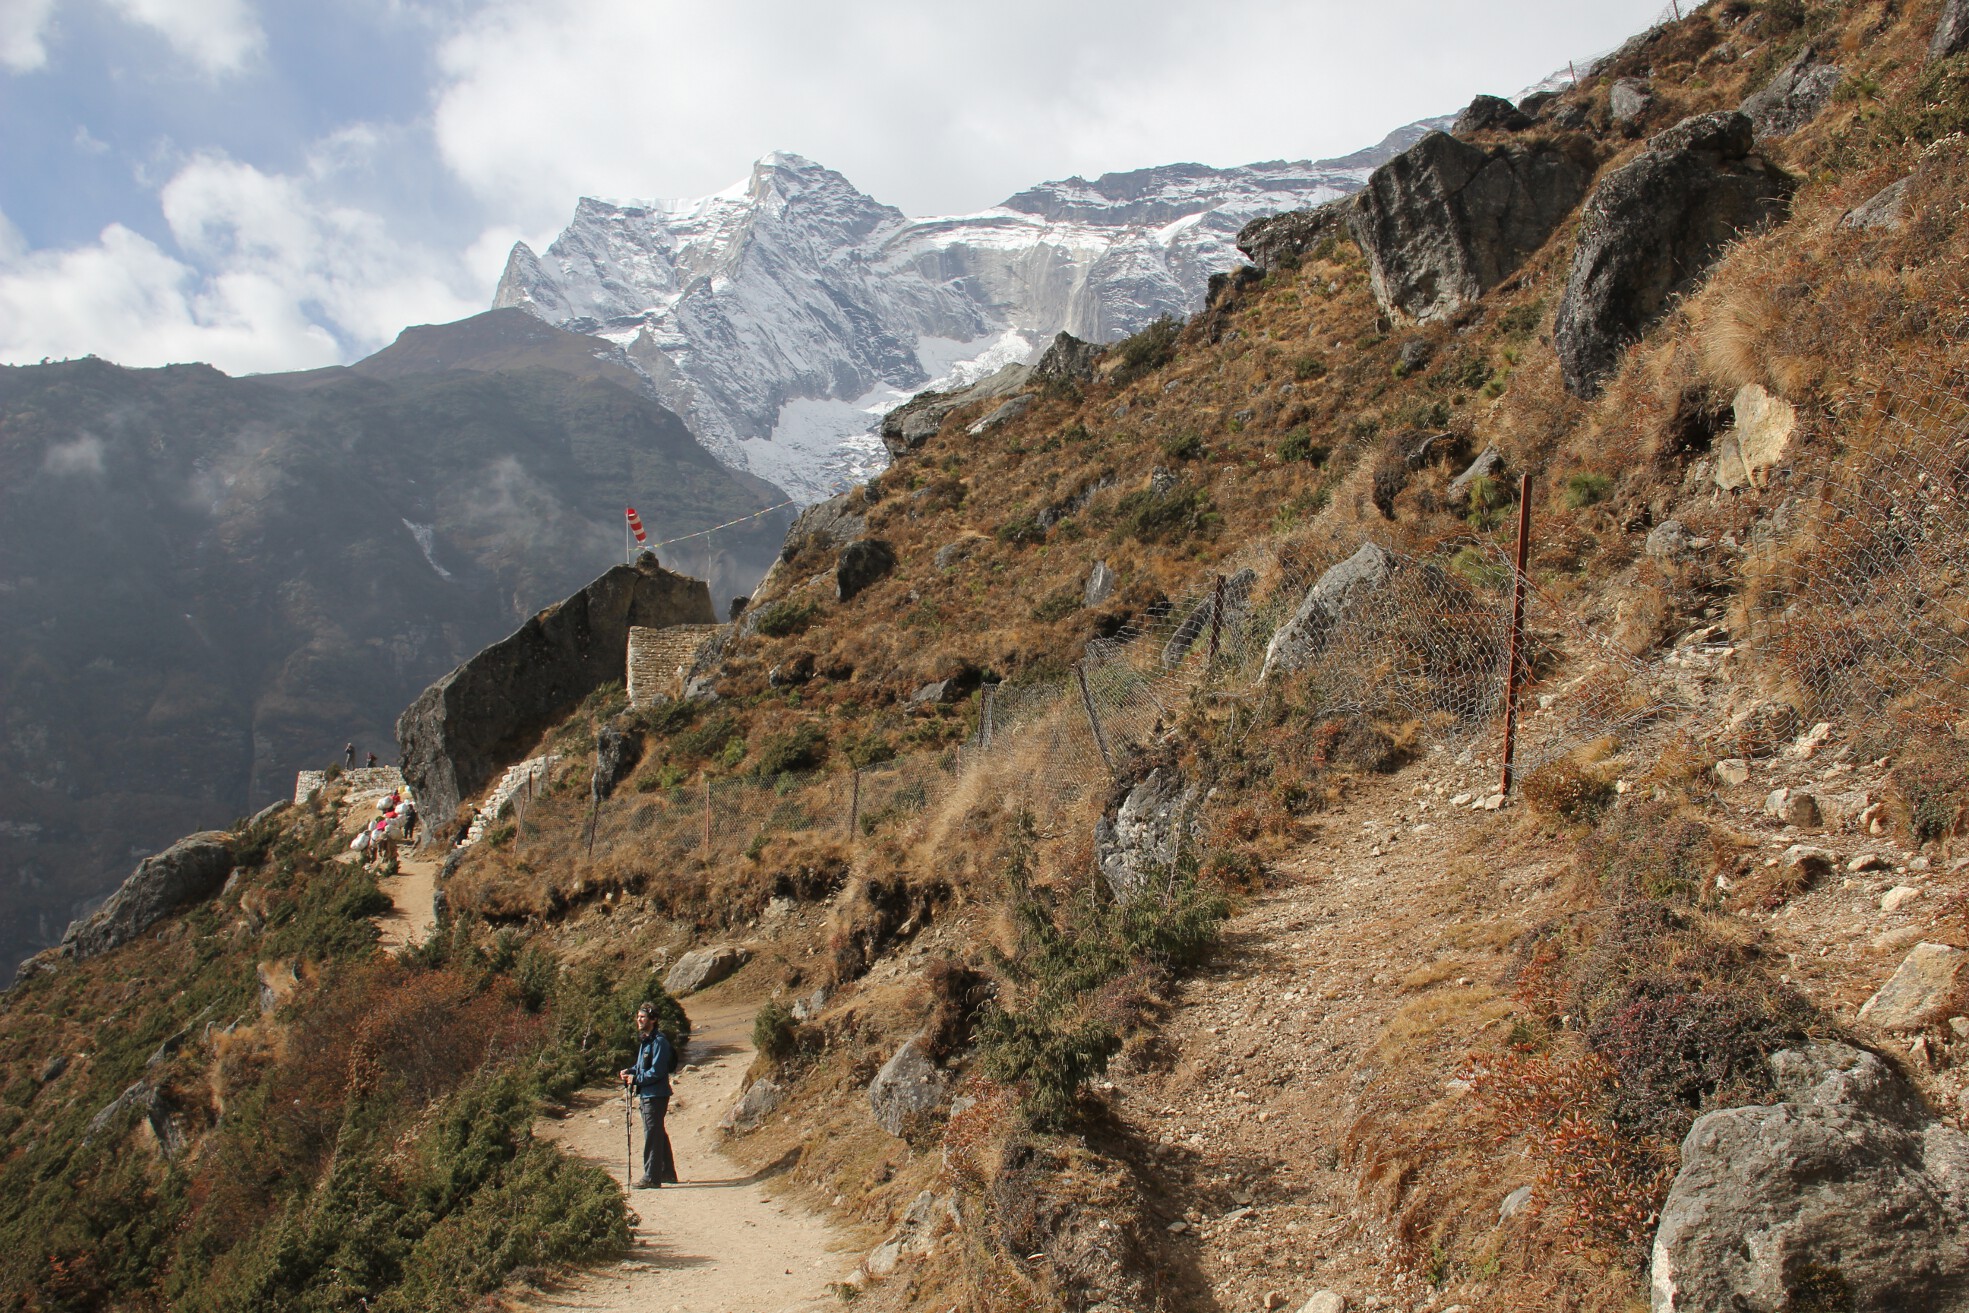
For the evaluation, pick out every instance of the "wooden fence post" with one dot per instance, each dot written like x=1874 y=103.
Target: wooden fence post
x=706 y=777
x=854 y=804
x=984 y=719
x=1093 y=718
x=1216 y=627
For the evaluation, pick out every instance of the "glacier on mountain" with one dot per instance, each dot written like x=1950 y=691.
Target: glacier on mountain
x=782 y=317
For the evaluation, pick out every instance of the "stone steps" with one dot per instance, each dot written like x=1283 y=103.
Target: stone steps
x=511 y=785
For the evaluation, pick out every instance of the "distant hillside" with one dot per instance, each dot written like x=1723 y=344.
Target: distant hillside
x=210 y=582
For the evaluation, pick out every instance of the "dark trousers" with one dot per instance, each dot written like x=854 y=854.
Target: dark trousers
x=658 y=1164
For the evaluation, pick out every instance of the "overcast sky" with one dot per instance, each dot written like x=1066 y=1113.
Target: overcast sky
x=285 y=185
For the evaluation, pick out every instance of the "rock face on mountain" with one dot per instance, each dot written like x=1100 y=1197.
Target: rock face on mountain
x=474 y=722
x=776 y=316
x=1306 y=632
x=1446 y=221
x=189 y=870
x=1278 y=240
x=1490 y=114
x=1067 y=360
x=1951 y=31
x=1847 y=1195
x=1651 y=231
x=1793 y=97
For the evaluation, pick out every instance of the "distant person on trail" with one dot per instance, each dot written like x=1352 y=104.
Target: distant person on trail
x=349 y=757
x=656 y=1058
x=372 y=761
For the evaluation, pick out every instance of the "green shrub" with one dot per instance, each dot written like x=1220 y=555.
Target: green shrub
x=1021 y=530
x=705 y=739
x=786 y=617
x=1183 y=446
x=774 y=1034
x=801 y=748
x=1146 y=351
x=1149 y=516
x=1308 y=367
x=1056 y=606
x=1583 y=490
x=1299 y=445
x=1521 y=320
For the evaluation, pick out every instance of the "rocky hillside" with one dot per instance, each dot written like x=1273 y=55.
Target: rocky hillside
x=1263 y=995
x=212 y=582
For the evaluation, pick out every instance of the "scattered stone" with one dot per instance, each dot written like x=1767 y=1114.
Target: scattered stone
x=1867 y=862
x=1629 y=100
x=952 y=552
x=1650 y=232
x=1793 y=97
x=1885 y=210
x=1666 y=540
x=1462 y=800
x=1873 y=819
x=1757 y=441
x=1921 y=992
x=806 y=1009
x=1793 y=807
x=1808 y=744
x=752 y=1108
x=1896 y=940
x=1005 y=412
x=1960 y=1025
x=1846 y=1195
x=1415 y=353
x=1445 y=221
x=863 y=562
x=702 y=968
x=1805 y=864
x=1763 y=727
x=1305 y=634
x=1514 y=1203
x=1326 y=1301
x=910 y=1092
x=915 y=1234
x=1732 y=771
x=1100 y=584
x=1495 y=802
x=1898 y=897
x=51 y=1070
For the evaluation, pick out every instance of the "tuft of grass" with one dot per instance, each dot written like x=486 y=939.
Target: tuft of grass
x=787 y=617
x=1583 y=490
x=1146 y=351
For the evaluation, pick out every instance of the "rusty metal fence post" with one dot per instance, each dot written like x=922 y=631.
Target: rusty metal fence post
x=854 y=804
x=1093 y=718
x=1517 y=635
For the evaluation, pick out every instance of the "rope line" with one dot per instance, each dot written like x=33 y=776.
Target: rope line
x=684 y=537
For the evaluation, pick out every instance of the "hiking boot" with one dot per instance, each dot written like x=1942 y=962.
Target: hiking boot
x=645 y=1183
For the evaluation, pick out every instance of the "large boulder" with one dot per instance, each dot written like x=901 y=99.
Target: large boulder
x=1281 y=240
x=1490 y=114
x=702 y=968
x=917 y=420
x=1757 y=440
x=1307 y=631
x=910 y=1093
x=1148 y=833
x=1926 y=989
x=616 y=749
x=1445 y=221
x=753 y=1107
x=1793 y=97
x=1847 y=1195
x=1951 y=31
x=1650 y=233
x=483 y=716
x=1067 y=360
x=863 y=562
x=190 y=870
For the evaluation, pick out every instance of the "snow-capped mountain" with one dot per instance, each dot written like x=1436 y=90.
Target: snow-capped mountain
x=780 y=318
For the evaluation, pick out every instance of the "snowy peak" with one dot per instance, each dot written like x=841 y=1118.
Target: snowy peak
x=782 y=316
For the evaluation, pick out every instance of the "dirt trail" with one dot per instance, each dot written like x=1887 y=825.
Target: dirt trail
x=718 y=1242
x=410 y=892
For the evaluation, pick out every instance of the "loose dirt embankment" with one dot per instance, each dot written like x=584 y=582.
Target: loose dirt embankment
x=718 y=1242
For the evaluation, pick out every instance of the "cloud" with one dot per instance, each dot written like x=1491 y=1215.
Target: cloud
x=220 y=36
x=23 y=26
x=82 y=456
x=941 y=110
x=270 y=273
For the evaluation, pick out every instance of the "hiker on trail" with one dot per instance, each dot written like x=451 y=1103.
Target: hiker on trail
x=656 y=1057
x=349 y=756
x=372 y=761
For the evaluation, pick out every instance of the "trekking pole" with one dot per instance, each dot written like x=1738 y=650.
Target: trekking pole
x=628 y=1142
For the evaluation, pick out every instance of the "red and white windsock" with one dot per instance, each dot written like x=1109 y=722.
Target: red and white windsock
x=636 y=526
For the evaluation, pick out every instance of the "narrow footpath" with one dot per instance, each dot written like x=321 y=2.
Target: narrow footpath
x=718 y=1242
x=411 y=892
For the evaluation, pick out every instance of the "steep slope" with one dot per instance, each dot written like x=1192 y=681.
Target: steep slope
x=211 y=582
x=780 y=316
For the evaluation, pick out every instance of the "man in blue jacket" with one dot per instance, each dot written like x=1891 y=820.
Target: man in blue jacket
x=656 y=1058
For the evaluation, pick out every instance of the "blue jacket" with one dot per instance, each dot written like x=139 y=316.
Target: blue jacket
x=656 y=1058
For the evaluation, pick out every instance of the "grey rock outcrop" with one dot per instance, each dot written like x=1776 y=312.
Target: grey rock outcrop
x=1003 y=413
x=702 y=968
x=1067 y=360
x=863 y=562
x=480 y=718
x=1279 y=240
x=1445 y=221
x=1651 y=231
x=1885 y=210
x=1489 y=464
x=1100 y=584
x=917 y=420
x=910 y=1093
x=1793 y=97
x=1629 y=100
x=190 y=870
x=1206 y=615
x=1306 y=633
x=915 y=1234
x=826 y=525
x=616 y=750
x=753 y=1107
x=1149 y=831
x=1490 y=114
x=1846 y=1195
x=1951 y=31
